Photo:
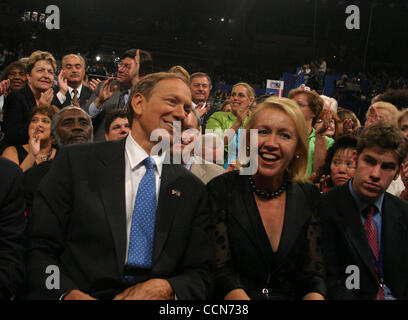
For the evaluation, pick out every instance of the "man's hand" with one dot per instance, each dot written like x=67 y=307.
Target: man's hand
x=78 y=295
x=153 y=289
x=373 y=116
x=93 y=84
x=62 y=83
x=202 y=111
x=137 y=65
x=46 y=97
x=105 y=93
x=4 y=86
x=404 y=174
x=323 y=123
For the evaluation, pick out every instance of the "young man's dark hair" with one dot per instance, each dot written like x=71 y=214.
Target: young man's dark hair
x=385 y=136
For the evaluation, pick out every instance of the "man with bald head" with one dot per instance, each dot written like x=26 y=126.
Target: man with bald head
x=132 y=223
x=69 y=126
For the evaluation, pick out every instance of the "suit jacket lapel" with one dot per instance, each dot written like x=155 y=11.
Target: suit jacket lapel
x=246 y=212
x=354 y=229
x=112 y=189
x=296 y=213
x=170 y=201
x=393 y=234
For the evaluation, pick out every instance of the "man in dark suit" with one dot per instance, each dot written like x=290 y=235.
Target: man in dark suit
x=70 y=88
x=12 y=226
x=70 y=125
x=365 y=228
x=96 y=198
x=113 y=94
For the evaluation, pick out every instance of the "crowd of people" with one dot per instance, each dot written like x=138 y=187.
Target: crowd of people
x=143 y=187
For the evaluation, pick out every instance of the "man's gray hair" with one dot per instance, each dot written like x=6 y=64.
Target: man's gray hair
x=73 y=55
x=56 y=118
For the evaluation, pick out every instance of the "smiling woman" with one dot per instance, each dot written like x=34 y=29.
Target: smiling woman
x=39 y=147
x=18 y=105
x=267 y=235
x=228 y=124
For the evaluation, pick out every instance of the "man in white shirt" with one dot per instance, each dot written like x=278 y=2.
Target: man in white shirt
x=70 y=88
x=87 y=208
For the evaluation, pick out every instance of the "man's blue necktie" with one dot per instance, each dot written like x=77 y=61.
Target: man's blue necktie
x=143 y=219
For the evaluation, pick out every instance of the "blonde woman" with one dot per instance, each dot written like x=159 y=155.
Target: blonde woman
x=267 y=235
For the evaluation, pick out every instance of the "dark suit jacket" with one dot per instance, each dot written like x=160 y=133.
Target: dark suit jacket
x=83 y=98
x=346 y=244
x=79 y=224
x=12 y=226
x=98 y=121
x=17 y=107
x=31 y=180
x=244 y=256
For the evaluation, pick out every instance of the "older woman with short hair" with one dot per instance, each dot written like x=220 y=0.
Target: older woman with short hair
x=40 y=69
x=267 y=234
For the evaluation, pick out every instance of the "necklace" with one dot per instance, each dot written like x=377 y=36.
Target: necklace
x=265 y=194
x=46 y=157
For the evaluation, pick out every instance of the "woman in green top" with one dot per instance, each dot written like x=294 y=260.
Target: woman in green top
x=311 y=105
x=242 y=95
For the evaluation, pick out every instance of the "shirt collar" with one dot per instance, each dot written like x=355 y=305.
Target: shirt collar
x=136 y=155
x=70 y=89
x=361 y=203
x=312 y=134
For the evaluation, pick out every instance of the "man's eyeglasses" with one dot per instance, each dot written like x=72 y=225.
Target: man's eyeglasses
x=124 y=66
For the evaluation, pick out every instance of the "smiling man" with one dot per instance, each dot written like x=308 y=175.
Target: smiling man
x=112 y=94
x=136 y=227
x=364 y=226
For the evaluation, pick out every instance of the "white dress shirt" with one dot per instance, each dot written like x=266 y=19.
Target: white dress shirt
x=134 y=172
x=62 y=98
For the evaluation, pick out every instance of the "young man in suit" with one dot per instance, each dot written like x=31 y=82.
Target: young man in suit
x=112 y=94
x=365 y=228
x=71 y=91
x=116 y=220
x=117 y=125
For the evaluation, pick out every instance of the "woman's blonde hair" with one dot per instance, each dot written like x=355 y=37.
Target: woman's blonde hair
x=38 y=56
x=403 y=114
x=249 y=89
x=298 y=167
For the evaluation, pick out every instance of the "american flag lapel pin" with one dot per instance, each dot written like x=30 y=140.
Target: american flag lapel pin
x=176 y=192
